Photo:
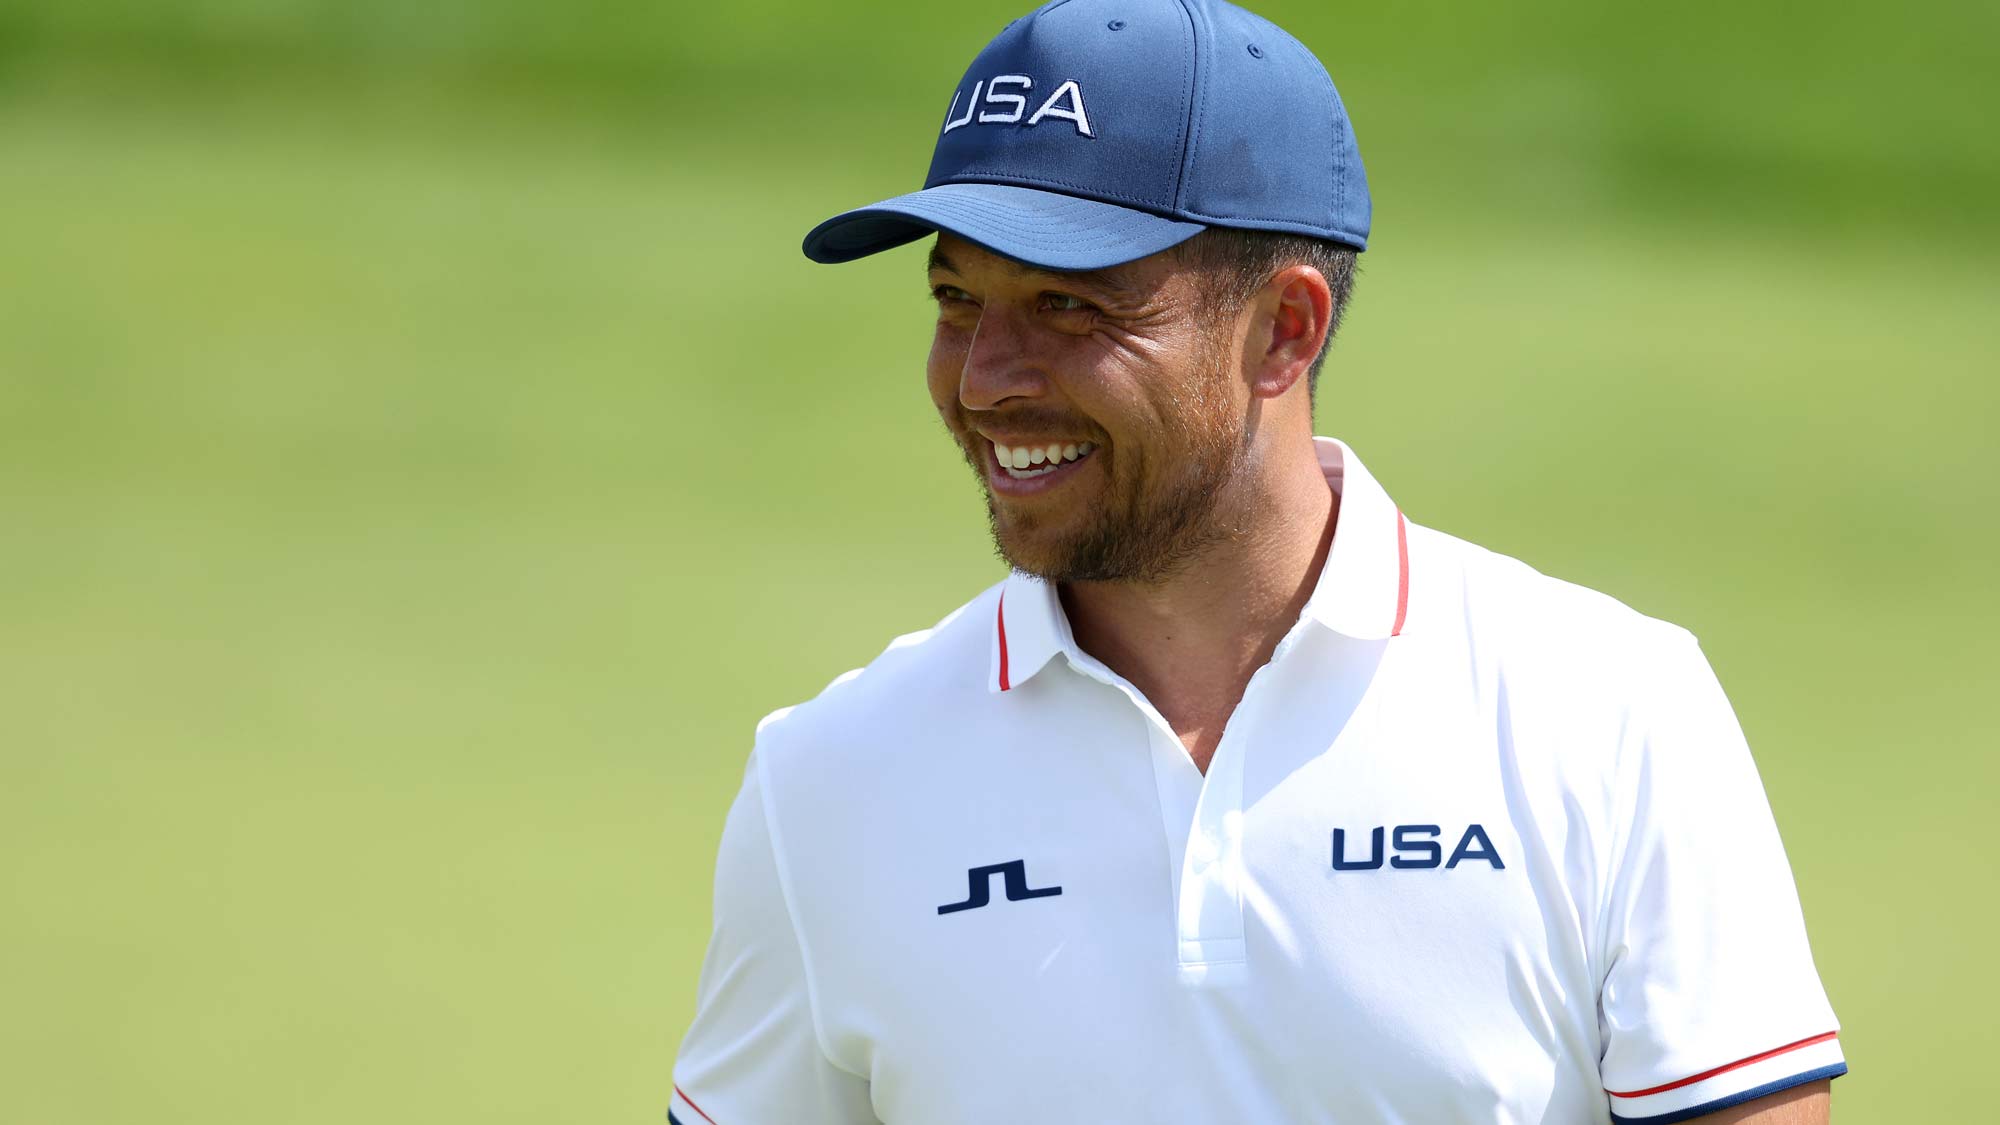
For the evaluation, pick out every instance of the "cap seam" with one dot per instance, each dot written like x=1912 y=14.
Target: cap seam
x=1191 y=76
x=1336 y=152
x=1248 y=223
x=1336 y=158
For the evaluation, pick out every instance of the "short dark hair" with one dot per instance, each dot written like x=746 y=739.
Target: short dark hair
x=1241 y=261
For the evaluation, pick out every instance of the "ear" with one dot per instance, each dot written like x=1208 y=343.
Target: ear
x=1292 y=314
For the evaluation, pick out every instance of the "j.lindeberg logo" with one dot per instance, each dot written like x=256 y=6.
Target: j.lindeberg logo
x=979 y=881
x=1007 y=97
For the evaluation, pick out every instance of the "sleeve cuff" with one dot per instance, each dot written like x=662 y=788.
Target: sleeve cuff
x=1780 y=1068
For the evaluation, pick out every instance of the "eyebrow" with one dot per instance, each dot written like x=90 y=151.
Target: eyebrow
x=1113 y=281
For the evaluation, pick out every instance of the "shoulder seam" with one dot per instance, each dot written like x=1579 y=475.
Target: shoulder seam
x=776 y=842
x=1641 y=712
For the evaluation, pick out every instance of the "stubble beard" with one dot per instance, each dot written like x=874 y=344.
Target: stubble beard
x=1164 y=516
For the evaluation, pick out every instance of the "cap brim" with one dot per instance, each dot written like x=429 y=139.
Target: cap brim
x=1041 y=228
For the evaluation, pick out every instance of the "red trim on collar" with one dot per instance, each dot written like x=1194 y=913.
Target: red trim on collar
x=1402 y=573
x=1727 y=1067
x=1002 y=624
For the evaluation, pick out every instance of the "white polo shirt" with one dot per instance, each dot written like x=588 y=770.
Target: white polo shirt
x=1477 y=846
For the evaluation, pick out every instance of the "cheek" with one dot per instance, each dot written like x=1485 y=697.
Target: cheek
x=946 y=363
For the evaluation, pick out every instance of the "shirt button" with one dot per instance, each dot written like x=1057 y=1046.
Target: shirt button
x=1205 y=850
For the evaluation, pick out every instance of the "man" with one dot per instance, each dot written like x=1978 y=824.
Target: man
x=1243 y=798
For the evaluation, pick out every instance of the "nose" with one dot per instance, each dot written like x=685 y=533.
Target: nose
x=1001 y=363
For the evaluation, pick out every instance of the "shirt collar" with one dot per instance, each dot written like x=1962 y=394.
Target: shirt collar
x=1363 y=590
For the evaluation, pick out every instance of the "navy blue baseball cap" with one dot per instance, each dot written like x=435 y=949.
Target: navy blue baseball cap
x=1090 y=133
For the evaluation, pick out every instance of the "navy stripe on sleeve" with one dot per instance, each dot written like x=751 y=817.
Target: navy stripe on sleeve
x=1688 y=1114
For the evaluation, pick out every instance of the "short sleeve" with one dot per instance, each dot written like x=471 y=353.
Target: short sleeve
x=1709 y=995
x=752 y=1056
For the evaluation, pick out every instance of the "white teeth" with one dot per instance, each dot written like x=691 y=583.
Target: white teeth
x=1022 y=462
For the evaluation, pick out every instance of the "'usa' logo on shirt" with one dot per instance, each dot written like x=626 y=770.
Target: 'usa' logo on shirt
x=1417 y=847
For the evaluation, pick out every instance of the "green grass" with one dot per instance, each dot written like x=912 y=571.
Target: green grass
x=410 y=500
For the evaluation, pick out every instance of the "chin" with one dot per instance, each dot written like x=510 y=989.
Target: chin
x=1038 y=550
x=1030 y=554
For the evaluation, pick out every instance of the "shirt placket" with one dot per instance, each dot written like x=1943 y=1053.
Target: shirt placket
x=1202 y=819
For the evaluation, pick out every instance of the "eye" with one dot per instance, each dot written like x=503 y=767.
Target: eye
x=1064 y=302
x=945 y=294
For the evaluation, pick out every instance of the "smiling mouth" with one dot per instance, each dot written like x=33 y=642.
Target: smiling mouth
x=1026 y=462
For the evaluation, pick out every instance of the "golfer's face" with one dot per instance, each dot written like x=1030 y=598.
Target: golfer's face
x=1087 y=403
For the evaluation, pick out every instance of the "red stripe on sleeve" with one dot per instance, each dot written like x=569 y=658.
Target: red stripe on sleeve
x=1727 y=1067
x=692 y=1106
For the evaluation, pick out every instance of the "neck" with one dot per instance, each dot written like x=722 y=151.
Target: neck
x=1191 y=641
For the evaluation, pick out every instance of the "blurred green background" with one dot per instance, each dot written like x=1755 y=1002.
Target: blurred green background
x=424 y=455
